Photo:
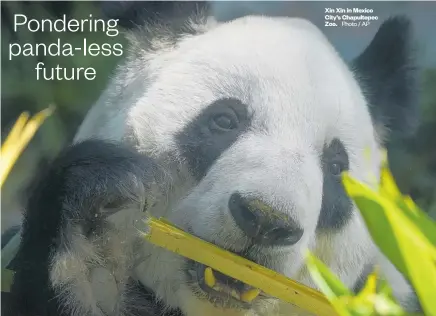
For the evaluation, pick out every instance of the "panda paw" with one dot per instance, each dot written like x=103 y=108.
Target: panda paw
x=78 y=235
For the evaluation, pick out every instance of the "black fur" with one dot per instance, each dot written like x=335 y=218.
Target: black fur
x=147 y=297
x=337 y=208
x=82 y=180
x=201 y=142
x=388 y=74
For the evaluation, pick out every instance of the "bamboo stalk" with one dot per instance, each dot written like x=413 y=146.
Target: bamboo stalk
x=163 y=234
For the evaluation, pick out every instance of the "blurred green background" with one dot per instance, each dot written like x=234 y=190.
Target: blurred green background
x=413 y=161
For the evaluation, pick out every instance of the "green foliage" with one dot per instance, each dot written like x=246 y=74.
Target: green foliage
x=374 y=299
x=404 y=233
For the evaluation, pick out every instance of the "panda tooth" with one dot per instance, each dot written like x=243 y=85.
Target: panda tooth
x=209 y=278
x=250 y=295
x=235 y=294
x=217 y=288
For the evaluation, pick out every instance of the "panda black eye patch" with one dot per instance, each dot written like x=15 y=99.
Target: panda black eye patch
x=335 y=158
x=337 y=208
x=212 y=132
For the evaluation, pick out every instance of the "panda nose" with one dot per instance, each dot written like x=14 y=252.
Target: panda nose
x=262 y=223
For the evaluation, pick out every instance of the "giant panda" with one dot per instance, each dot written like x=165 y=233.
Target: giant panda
x=208 y=124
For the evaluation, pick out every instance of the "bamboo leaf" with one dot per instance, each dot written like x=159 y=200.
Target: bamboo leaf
x=20 y=135
x=420 y=219
x=399 y=238
x=388 y=189
x=370 y=286
x=329 y=284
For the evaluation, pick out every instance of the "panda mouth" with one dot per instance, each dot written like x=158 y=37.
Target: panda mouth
x=219 y=288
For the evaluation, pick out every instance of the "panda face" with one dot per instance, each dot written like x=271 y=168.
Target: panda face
x=262 y=116
x=254 y=120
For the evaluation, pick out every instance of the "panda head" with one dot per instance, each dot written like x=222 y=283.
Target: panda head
x=254 y=120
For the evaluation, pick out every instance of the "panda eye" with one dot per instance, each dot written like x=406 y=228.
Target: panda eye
x=223 y=122
x=336 y=168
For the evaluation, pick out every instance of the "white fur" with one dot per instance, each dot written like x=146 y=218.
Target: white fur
x=295 y=83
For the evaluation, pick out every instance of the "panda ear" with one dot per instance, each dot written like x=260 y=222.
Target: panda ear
x=388 y=76
x=134 y=13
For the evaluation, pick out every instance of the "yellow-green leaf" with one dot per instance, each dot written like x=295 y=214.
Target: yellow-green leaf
x=336 y=292
x=420 y=219
x=399 y=239
x=329 y=284
x=385 y=289
x=342 y=305
x=384 y=305
x=370 y=286
x=20 y=135
x=389 y=189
